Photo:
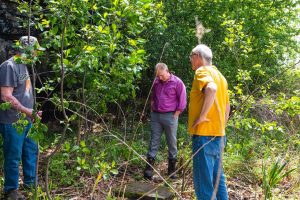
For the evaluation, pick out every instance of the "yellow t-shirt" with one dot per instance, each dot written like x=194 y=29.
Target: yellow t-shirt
x=216 y=115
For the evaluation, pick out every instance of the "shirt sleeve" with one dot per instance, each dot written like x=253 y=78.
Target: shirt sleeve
x=203 y=77
x=153 y=94
x=8 y=77
x=181 y=93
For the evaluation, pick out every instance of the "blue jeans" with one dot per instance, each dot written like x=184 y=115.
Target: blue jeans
x=206 y=164
x=17 y=147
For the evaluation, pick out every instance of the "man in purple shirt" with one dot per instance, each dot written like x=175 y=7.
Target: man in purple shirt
x=167 y=102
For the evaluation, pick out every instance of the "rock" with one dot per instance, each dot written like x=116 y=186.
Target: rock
x=157 y=179
x=136 y=190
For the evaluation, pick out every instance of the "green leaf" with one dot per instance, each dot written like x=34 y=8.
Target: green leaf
x=114 y=171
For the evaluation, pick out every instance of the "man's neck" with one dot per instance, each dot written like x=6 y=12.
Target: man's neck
x=17 y=55
x=168 y=78
x=205 y=65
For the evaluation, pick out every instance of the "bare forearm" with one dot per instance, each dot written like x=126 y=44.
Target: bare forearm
x=227 y=113
x=17 y=105
x=210 y=93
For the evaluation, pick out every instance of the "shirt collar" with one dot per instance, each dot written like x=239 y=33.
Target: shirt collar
x=171 y=79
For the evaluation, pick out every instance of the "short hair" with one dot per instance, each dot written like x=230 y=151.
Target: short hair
x=204 y=51
x=161 y=66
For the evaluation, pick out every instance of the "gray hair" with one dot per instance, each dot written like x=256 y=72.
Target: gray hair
x=161 y=66
x=205 y=52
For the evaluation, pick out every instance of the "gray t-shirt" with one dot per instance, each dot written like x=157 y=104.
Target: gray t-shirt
x=16 y=76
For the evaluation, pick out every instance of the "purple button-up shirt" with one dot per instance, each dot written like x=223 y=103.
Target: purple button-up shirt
x=168 y=96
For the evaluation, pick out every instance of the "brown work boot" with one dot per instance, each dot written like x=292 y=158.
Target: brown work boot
x=172 y=168
x=13 y=195
x=148 y=172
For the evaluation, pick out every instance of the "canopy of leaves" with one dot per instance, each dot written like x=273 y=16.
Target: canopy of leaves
x=103 y=48
x=253 y=38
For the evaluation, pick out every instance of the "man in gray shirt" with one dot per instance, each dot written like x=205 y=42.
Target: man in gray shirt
x=16 y=89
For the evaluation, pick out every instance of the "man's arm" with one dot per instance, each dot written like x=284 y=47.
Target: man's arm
x=6 y=96
x=181 y=93
x=151 y=105
x=177 y=113
x=227 y=113
x=209 y=97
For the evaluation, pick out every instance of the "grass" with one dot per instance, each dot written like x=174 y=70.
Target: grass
x=75 y=168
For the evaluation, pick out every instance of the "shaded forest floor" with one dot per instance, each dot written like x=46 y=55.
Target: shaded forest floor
x=109 y=189
x=75 y=168
x=238 y=188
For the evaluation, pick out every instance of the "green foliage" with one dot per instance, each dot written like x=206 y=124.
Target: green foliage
x=47 y=86
x=289 y=105
x=62 y=173
x=39 y=194
x=253 y=36
x=5 y=106
x=103 y=52
x=262 y=124
x=21 y=124
x=272 y=176
x=37 y=130
x=108 y=46
x=110 y=196
x=86 y=157
x=29 y=56
x=2 y=181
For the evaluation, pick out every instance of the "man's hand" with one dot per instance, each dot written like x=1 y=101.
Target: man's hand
x=200 y=120
x=6 y=96
x=38 y=114
x=176 y=114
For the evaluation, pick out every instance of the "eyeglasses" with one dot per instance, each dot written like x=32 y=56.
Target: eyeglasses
x=191 y=56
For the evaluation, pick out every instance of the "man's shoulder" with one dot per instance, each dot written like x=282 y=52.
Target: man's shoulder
x=8 y=63
x=176 y=78
x=208 y=70
x=219 y=72
x=203 y=69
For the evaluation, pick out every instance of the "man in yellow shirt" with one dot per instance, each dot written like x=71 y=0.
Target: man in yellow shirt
x=208 y=114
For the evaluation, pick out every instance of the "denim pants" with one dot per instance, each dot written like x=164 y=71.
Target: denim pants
x=206 y=164
x=161 y=122
x=17 y=147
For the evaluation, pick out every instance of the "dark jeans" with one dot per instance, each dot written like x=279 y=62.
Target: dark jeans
x=17 y=147
x=206 y=164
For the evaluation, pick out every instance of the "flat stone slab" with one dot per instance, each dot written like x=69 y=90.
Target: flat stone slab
x=136 y=190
